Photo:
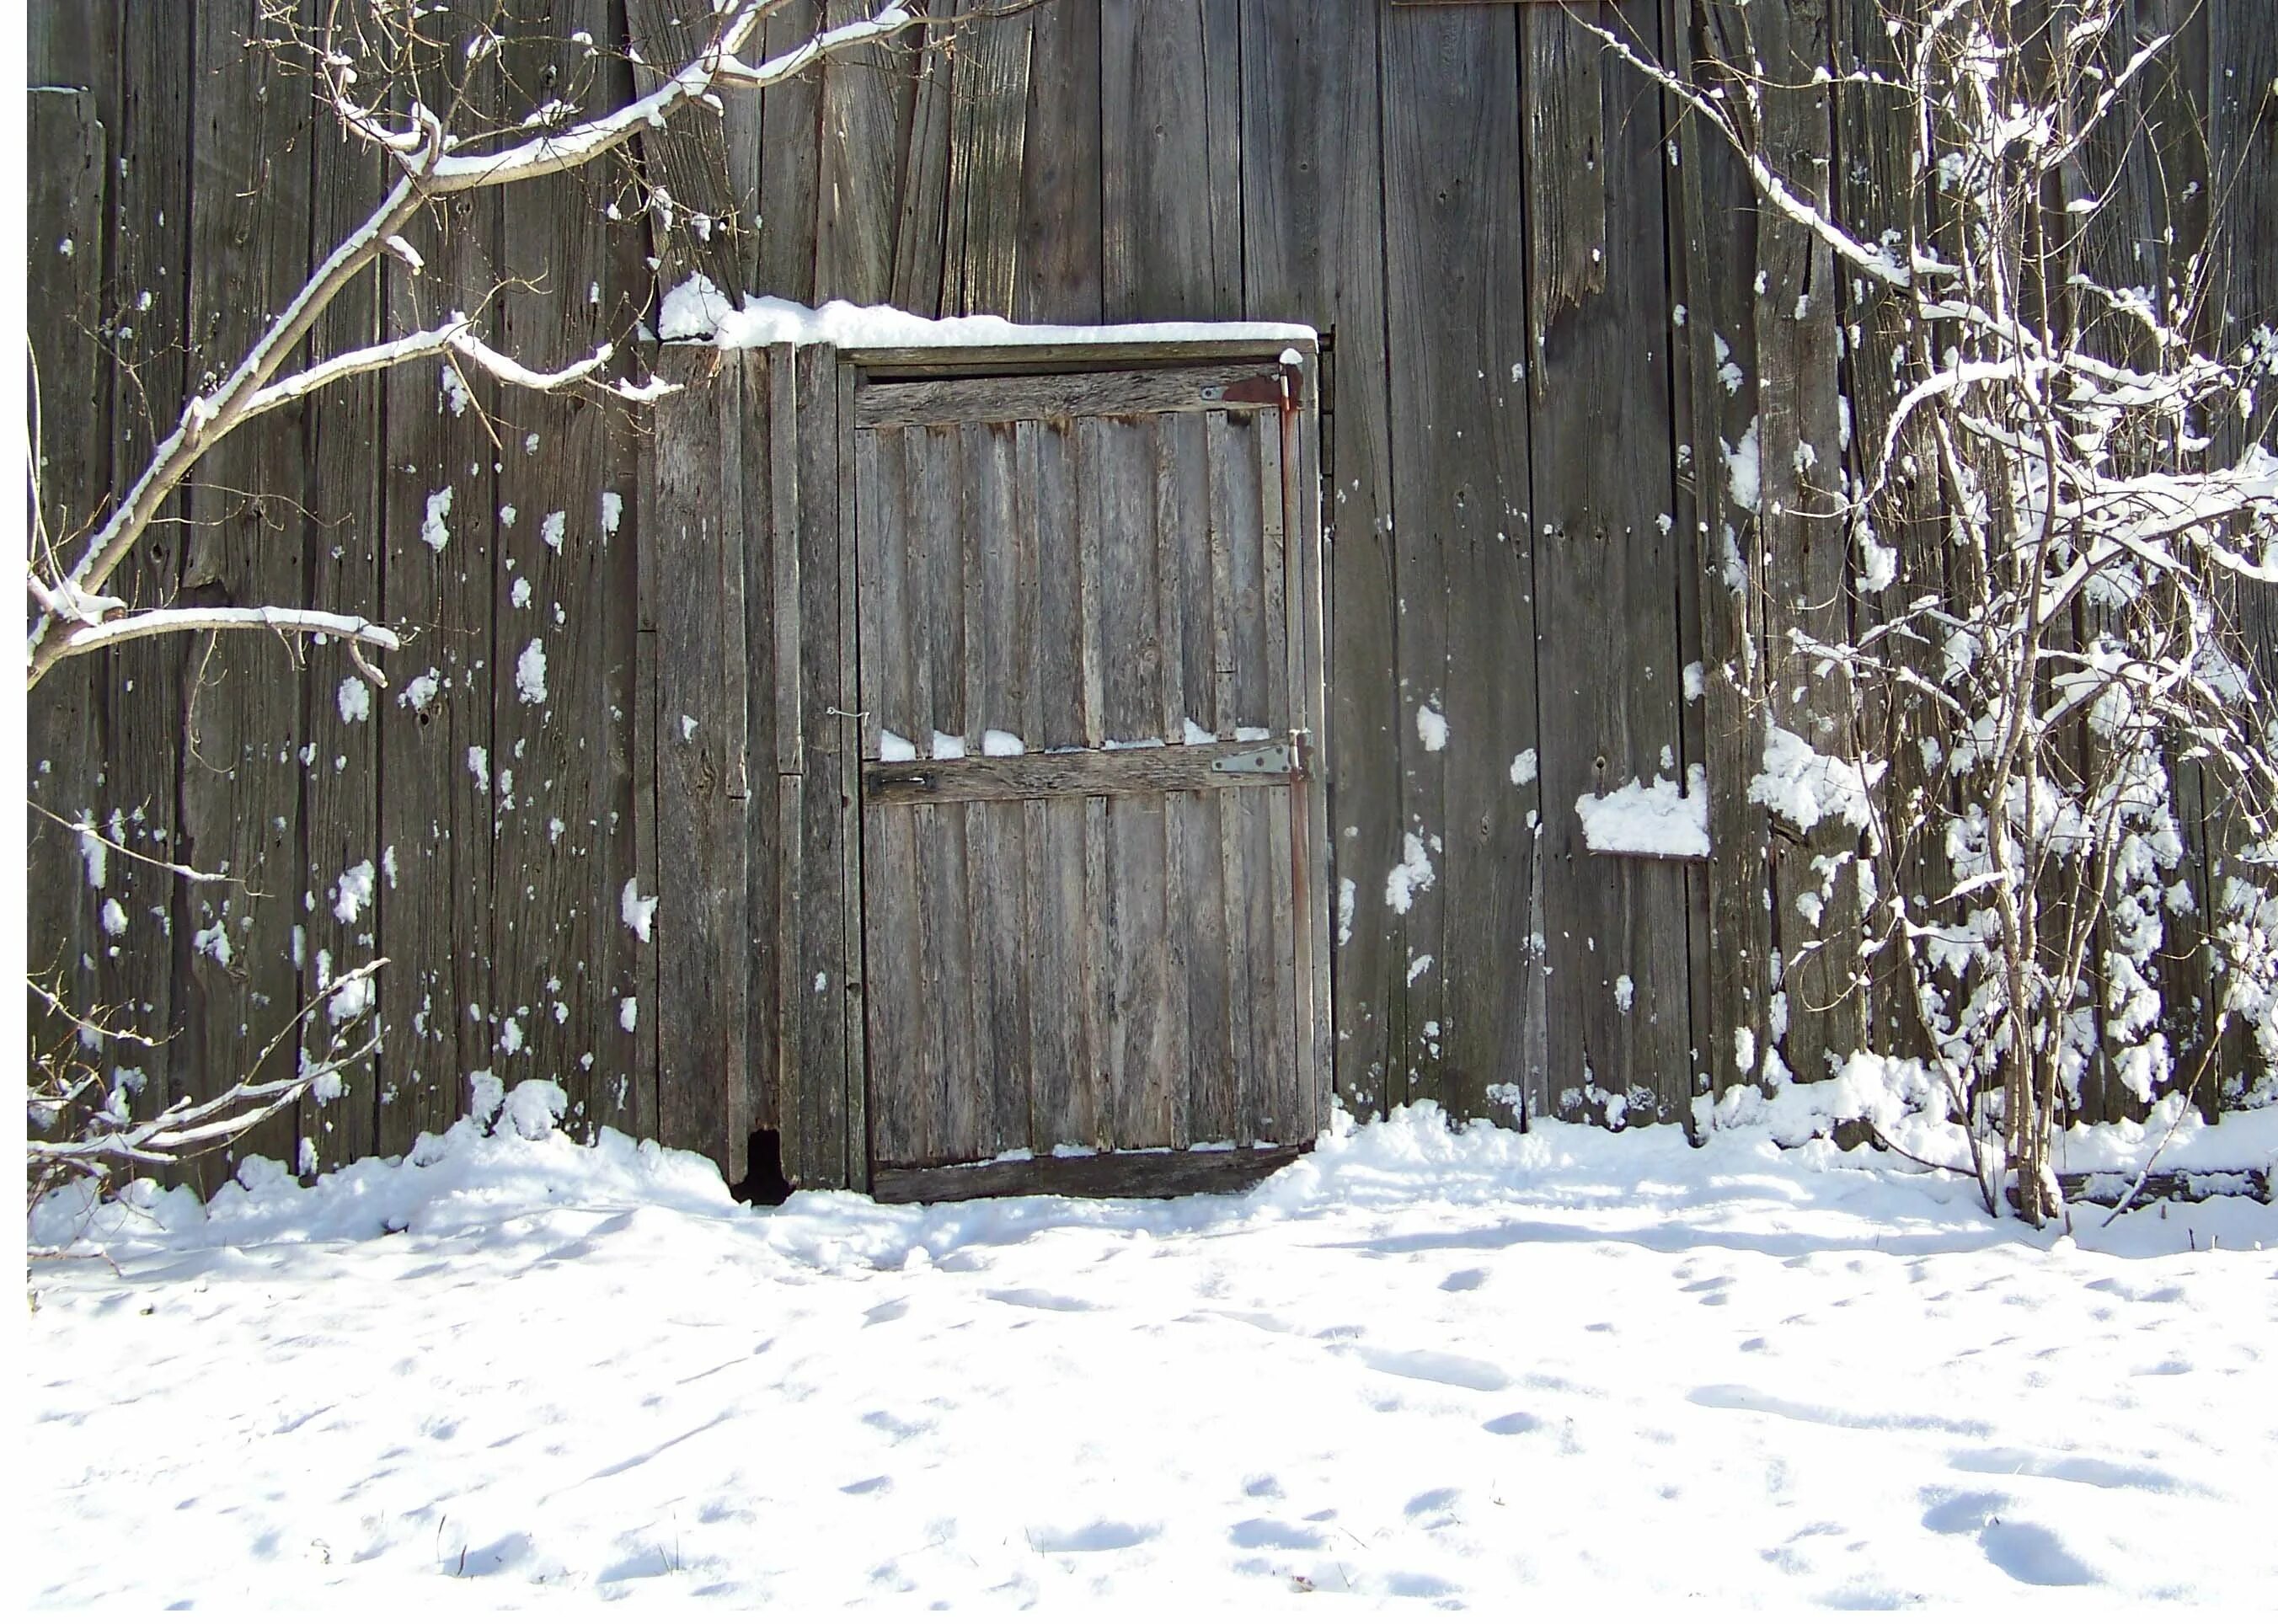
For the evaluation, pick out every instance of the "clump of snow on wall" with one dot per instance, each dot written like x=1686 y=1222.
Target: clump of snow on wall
x=1347 y=896
x=92 y=852
x=114 y=917
x=613 y=512
x=1802 y=786
x=1523 y=766
x=529 y=672
x=1412 y=875
x=893 y=747
x=638 y=911
x=1742 y=470
x=479 y=763
x=354 y=998
x=1432 y=727
x=435 y=529
x=354 y=699
x=1657 y=819
x=352 y=892
x=420 y=692
x=555 y=528
x=996 y=742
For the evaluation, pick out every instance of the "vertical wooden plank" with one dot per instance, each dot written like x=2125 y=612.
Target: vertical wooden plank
x=1064 y=1014
x=1282 y=1112
x=828 y=742
x=853 y=1132
x=790 y=164
x=1806 y=555
x=71 y=924
x=702 y=882
x=988 y=130
x=344 y=718
x=1454 y=238
x=147 y=305
x=1170 y=200
x=1061 y=165
x=865 y=100
x=561 y=770
x=688 y=157
x=1317 y=1033
x=241 y=790
x=436 y=809
x=996 y=640
x=918 y=282
x=760 y=945
x=893 y=986
x=1131 y=662
x=1715 y=352
x=937 y=572
x=1603 y=456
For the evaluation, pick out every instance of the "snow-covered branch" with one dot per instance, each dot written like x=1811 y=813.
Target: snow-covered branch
x=430 y=161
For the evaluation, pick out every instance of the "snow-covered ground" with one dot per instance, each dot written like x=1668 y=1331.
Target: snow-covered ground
x=1419 y=1366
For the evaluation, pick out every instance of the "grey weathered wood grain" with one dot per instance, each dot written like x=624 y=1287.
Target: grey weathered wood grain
x=919 y=233
x=1454 y=247
x=1170 y=188
x=866 y=98
x=436 y=810
x=789 y=165
x=816 y=899
x=1603 y=463
x=989 y=118
x=1567 y=172
x=1061 y=166
x=1806 y=555
x=1313 y=202
x=563 y=847
x=67 y=938
x=240 y=791
x=1066 y=394
x=753 y=442
x=340 y=782
x=147 y=90
x=1717 y=229
x=702 y=773
x=688 y=157
x=852 y=1125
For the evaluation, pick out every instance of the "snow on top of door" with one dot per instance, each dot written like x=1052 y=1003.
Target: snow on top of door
x=698 y=310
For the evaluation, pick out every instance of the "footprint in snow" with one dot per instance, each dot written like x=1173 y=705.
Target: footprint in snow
x=1512 y=1424
x=1027 y=1297
x=2026 y=1551
x=1464 y=1280
x=1267 y=1534
x=1434 y=1508
x=1424 y=1365
x=1104 y=1534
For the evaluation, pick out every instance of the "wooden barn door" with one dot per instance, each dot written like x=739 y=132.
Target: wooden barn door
x=1088 y=628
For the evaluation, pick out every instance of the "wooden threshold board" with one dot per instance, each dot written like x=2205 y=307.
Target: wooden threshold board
x=1139 y=1173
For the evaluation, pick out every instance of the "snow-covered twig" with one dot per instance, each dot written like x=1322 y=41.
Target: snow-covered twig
x=157 y=622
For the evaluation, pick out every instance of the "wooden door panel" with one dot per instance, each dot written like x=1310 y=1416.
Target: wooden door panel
x=1083 y=931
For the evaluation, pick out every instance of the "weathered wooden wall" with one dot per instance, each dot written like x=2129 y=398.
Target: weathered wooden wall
x=1546 y=308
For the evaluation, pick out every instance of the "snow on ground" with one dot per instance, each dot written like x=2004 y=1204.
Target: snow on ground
x=1419 y=1367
